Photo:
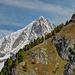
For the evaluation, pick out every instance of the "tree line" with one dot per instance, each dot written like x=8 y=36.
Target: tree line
x=20 y=56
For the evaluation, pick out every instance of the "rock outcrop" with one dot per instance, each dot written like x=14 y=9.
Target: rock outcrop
x=66 y=50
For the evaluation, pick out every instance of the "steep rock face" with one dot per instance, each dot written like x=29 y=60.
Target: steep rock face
x=66 y=50
x=13 y=42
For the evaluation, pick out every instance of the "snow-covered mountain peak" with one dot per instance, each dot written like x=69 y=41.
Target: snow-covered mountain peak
x=17 y=40
x=41 y=17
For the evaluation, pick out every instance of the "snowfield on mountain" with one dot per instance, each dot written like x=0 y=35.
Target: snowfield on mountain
x=12 y=43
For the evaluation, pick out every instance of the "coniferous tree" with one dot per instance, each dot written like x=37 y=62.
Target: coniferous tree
x=9 y=62
x=37 y=41
x=32 y=44
x=53 y=33
x=20 y=55
x=57 y=29
x=41 y=39
x=67 y=22
x=15 y=62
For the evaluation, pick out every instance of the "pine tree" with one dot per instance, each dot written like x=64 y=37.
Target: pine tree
x=67 y=22
x=57 y=29
x=32 y=44
x=53 y=32
x=20 y=55
x=41 y=39
x=16 y=62
x=9 y=62
x=37 y=41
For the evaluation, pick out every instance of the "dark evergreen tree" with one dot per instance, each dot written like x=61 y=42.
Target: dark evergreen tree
x=41 y=39
x=20 y=55
x=53 y=33
x=67 y=22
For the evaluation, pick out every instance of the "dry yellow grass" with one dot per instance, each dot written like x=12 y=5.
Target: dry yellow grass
x=68 y=31
x=54 y=60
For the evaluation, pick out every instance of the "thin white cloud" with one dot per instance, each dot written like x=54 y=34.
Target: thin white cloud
x=38 y=5
x=4 y=33
x=9 y=19
x=8 y=22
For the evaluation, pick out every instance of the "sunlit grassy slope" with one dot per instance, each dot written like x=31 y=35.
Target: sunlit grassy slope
x=69 y=30
x=54 y=66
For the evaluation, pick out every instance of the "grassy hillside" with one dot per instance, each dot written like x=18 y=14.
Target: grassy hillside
x=69 y=30
x=42 y=59
x=38 y=60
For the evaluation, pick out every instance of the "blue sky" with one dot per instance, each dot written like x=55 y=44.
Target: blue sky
x=16 y=14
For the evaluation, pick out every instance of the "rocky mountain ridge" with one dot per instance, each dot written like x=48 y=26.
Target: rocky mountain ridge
x=54 y=56
x=17 y=40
